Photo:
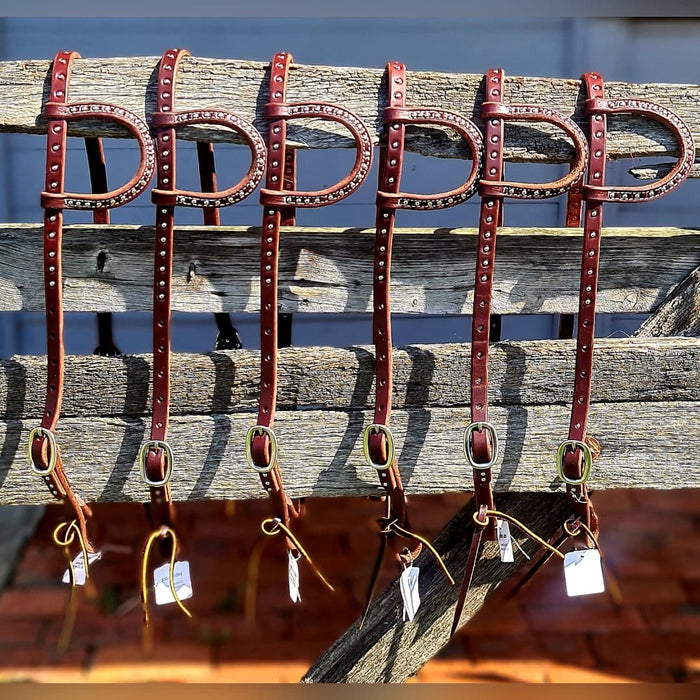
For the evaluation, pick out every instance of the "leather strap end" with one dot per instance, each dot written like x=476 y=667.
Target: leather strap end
x=163 y=198
x=595 y=104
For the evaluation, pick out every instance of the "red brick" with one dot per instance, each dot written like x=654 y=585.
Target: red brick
x=691 y=589
x=502 y=646
x=21 y=632
x=576 y=618
x=22 y=657
x=645 y=649
x=651 y=590
x=497 y=617
x=673 y=501
x=34 y=602
x=678 y=617
x=566 y=649
x=139 y=654
x=614 y=503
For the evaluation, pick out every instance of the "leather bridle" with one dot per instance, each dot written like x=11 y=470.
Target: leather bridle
x=378 y=439
x=156 y=455
x=480 y=437
x=44 y=454
x=279 y=198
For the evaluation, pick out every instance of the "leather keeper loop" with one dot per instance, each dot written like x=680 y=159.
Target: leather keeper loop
x=495 y=109
x=164 y=198
x=276 y=110
x=387 y=200
x=55 y=110
x=162 y=120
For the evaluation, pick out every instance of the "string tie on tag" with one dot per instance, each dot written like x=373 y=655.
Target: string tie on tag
x=164 y=531
x=272 y=526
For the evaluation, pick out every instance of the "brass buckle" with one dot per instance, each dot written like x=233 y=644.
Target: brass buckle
x=587 y=461
x=468 y=450
x=40 y=431
x=156 y=445
x=260 y=430
x=384 y=430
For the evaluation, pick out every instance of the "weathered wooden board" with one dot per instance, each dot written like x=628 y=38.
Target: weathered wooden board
x=242 y=86
x=387 y=650
x=644 y=445
x=330 y=270
x=528 y=373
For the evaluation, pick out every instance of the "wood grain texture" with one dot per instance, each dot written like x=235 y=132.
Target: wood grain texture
x=330 y=270
x=387 y=650
x=644 y=445
x=521 y=373
x=680 y=312
x=242 y=86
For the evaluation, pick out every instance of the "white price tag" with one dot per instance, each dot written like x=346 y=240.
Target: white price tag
x=293 y=576
x=504 y=540
x=181 y=581
x=408 y=584
x=79 y=568
x=583 y=572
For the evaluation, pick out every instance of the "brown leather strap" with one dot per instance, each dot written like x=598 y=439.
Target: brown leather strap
x=480 y=437
x=574 y=456
x=155 y=459
x=279 y=198
x=378 y=438
x=480 y=440
x=43 y=448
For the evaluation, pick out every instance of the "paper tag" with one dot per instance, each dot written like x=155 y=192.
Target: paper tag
x=293 y=576
x=583 y=572
x=79 y=568
x=504 y=540
x=181 y=580
x=408 y=584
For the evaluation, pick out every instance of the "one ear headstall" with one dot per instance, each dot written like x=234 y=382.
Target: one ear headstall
x=480 y=436
x=575 y=455
x=156 y=455
x=378 y=440
x=44 y=454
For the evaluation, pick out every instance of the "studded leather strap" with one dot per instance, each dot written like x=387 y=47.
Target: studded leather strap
x=43 y=449
x=156 y=455
x=480 y=438
x=378 y=439
x=574 y=454
x=279 y=198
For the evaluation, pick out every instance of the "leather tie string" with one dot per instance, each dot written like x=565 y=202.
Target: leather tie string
x=44 y=454
x=279 y=198
x=378 y=438
x=156 y=455
x=481 y=437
